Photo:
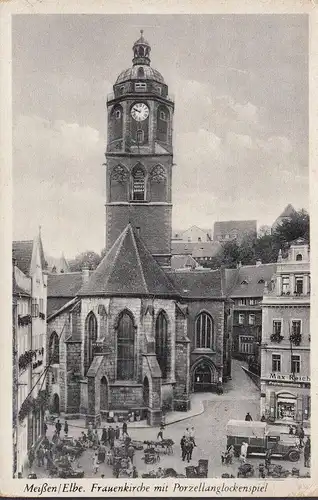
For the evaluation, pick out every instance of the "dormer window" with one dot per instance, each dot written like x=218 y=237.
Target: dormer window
x=141 y=73
x=299 y=256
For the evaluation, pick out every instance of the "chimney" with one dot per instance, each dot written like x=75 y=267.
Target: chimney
x=258 y=262
x=85 y=275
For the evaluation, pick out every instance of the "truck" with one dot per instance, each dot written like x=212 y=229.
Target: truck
x=260 y=439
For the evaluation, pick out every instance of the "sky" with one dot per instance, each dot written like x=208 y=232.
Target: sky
x=240 y=84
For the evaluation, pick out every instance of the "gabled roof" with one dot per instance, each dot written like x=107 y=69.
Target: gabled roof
x=250 y=280
x=64 y=285
x=128 y=269
x=22 y=252
x=288 y=211
x=203 y=284
x=60 y=264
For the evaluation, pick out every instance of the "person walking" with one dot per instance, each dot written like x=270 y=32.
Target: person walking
x=131 y=453
x=182 y=447
x=243 y=453
x=95 y=463
x=44 y=428
x=301 y=435
x=66 y=428
x=248 y=417
x=104 y=436
x=160 y=433
x=117 y=432
x=58 y=427
x=124 y=428
x=134 y=472
x=307 y=452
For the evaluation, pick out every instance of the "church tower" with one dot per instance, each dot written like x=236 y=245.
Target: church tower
x=139 y=156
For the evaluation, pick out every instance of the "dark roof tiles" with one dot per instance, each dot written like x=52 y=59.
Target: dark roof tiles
x=22 y=253
x=198 y=284
x=64 y=285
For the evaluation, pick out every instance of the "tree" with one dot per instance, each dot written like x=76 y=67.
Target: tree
x=89 y=259
x=296 y=226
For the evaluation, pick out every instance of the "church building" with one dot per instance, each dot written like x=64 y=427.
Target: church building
x=133 y=335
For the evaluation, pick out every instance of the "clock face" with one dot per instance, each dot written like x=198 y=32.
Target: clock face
x=139 y=111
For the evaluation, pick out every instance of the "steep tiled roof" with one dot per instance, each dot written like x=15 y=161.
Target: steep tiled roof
x=225 y=227
x=198 y=284
x=196 y=249
x=64 y=285
x=16 y=290
x=183 y=261
x=55 y=303
x=250 y=280
x=22 y=252
x=129 y=269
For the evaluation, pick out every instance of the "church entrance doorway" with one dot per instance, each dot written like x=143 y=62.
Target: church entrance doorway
x=204 y=377
x=103 y=395
x=56 y=404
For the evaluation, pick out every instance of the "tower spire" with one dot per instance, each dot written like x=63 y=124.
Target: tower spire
x=141 y=50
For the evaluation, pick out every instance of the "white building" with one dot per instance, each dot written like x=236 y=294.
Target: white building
x=29 y=338
x=285 y=354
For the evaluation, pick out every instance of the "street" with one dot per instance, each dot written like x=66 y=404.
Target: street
x=240 y=396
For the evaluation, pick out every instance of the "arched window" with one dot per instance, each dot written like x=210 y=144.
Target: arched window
x=141 y=73
x=138 y=187
x=140 y=136
x=125 y=347
x=91 y=336
x=118 y=113
x=162 y=123
x=54 y=349
x=204 y=331
x=299 y=256
x=162 y=351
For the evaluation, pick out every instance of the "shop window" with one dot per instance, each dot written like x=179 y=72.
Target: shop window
x=276 y=362
x=138 y=184
x=295 y=363
x=125 y=347
x=162 y=349
x=241 y=319
x=204 y=331
x=277 y=327
x=251 y=319
x=286 y=407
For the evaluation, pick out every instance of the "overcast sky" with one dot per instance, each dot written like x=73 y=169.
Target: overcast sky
x=240 y=84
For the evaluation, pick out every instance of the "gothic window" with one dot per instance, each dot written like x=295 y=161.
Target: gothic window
x=138 y=184
x=125 y=347
x=54 y=349
x=158 y=181
x=141 y=73
x=204 y=331
x=158 y=174
x=162 y=123
x=119 y=174
x=119 y=183
x=162 y=349
x=91 y=335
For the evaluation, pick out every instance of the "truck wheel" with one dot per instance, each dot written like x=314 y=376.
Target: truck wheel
x=294 y=455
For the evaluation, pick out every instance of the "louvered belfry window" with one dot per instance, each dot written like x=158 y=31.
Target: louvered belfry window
x=138 y=184
x=125 y=347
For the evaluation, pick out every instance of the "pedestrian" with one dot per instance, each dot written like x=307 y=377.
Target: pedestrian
x=243 y=453
x=268 y=459
x=66 y=428
x=134 y=472
x=301 y=435
x=191 y=432
x=95 y=463
x=261 y=471
x=182 y=446
x=44 y=429
x=117 y=432
x=131 y=452
x=104 y=436
x=307 y=452
x=31 y=457
x=102 y=476
x=248 y=417
x=111 y=437
x=58 y=427
x=101 y=453
x=124 y=427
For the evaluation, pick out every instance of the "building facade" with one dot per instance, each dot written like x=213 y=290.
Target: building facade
x=234 y=230
x=133 y=336
x=29 y=338
x=285 y=372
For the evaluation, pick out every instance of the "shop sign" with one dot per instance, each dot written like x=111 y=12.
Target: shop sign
x=290 y=384
x=289 y=378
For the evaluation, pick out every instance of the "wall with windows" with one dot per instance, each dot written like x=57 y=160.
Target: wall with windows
x=247 y=327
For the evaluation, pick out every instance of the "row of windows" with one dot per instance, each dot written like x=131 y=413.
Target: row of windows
x=298 y=283
x=204 y=338
x=295 y=326
x=119 y=175
x=251 y=319
x=294 y=363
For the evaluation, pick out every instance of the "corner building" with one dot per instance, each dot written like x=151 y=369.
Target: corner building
x=132 y=336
